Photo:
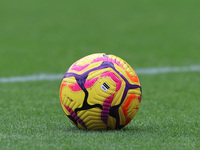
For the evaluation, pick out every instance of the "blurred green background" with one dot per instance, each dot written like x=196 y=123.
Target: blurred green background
x=38 y=36
x=48 y=36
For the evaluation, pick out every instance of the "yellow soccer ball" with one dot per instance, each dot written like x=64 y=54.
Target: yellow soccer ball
x=99 y=92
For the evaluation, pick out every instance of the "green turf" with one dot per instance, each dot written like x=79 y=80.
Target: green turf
x=48 y=36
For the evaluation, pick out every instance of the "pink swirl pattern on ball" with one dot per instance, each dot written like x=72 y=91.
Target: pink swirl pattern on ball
x=114 y=78
x=80 y=68
x=74 y=87
x=89 y=83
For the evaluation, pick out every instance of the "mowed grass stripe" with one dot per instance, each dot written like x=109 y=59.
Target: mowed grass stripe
x=145 y=71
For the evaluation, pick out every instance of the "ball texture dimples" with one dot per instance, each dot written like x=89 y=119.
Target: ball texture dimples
x=100 y=91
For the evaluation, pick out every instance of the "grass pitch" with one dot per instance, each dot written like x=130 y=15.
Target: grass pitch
x=47 y=37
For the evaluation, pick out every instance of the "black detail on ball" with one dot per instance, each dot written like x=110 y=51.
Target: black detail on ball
x=81 y=81
x=72 y=119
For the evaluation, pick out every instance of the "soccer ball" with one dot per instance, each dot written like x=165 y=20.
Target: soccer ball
x=100 y=91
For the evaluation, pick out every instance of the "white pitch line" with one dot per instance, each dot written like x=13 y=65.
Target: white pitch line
x=162 y=70
x=142 y=71
x=39 y=77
